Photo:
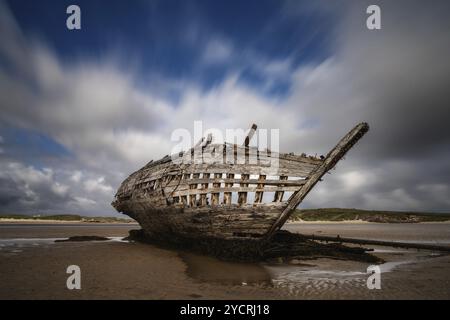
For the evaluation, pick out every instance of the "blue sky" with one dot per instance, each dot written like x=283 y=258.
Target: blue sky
x=169 y=37
x=82 y=109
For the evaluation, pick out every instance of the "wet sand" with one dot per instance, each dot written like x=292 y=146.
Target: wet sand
x=64 y=230
x=33 y=266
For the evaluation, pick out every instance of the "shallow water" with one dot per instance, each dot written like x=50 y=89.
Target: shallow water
x=297 y=275
x=209 y=269
x=64 y=230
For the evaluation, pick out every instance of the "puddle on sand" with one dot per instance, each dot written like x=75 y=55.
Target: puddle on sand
x=292 y=277
x=295 y=275
x=15 y=246
x=210 y=269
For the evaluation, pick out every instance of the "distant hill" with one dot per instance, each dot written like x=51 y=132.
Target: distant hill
x=337 y=214
x=326 y=214
x=67 y=217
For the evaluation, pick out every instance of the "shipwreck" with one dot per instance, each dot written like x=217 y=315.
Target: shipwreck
x=220 y=191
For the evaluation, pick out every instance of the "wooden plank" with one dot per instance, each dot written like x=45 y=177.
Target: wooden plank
x=237 y=155
x=264 y=166
x=242 y=195
x=203 y=196
x=250 y=208
x=282 y=168
x=266 y=154
x=291 y=165
x=227 y=195
x=215 y=196
x=292 y=183
x=279 y=194
x=146 y=205
x=259 y=194
x=298 y=158
x=193 y=196
x=228 y=190
x=250 y=135
x=184 y=198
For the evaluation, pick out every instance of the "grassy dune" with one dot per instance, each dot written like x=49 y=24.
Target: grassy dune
x=327 y=214
x=337 y=214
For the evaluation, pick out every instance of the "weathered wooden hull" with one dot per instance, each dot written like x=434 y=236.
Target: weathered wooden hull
x=219 y=193
x=219 y=222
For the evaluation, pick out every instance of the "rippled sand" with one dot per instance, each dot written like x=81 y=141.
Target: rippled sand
x=33 y=266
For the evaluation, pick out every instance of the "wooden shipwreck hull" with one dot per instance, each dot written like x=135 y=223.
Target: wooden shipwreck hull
x=224 y=191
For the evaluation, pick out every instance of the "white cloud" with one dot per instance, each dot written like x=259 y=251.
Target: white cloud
x=29 y=187
x=98 y=185
x=217 y=51
x=60 y=189
x=76 y=176
x=84 y=203
x=25 y=188
x=354 y=180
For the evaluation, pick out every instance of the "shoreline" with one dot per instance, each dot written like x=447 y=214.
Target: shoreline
x=300 y=222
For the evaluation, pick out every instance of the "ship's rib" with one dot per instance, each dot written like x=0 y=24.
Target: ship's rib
x=330 y=161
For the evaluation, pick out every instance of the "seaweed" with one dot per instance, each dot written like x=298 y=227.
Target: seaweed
x=283 y=245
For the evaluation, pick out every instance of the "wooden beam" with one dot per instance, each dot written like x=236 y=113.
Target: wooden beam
x=394 y=244
x=227 y=195
x=242 y=196
x=229 y=190
x=184 y=199
x=203 y=198
x=215 y=196
x=250 y=135
x=279 y=194
x=330 y=161
x=193 y=198
x=259 y=194
x=298 y=182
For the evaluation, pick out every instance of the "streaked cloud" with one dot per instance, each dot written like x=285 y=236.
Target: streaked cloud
x=217 y=51
x=112 y=121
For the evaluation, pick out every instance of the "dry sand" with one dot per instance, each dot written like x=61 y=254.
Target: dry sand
x=34 y=267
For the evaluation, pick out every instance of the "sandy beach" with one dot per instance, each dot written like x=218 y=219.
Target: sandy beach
x=33 y=266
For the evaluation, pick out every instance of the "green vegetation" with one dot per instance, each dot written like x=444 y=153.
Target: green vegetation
x=328 y=214
x=336 y=214
x=67 y=217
